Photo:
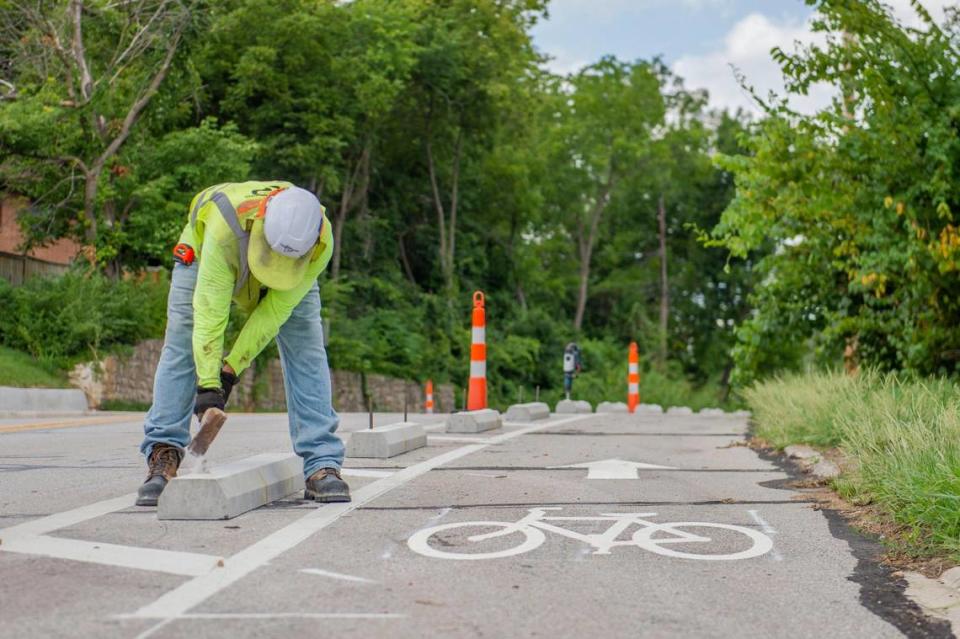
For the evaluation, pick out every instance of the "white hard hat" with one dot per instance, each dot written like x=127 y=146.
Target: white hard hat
x=292 y=222
x=281 y=241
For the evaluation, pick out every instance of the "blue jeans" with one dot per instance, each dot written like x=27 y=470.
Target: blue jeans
x=306 y=379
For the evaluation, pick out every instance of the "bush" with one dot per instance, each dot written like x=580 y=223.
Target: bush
x=77 y=316
x=900 y=433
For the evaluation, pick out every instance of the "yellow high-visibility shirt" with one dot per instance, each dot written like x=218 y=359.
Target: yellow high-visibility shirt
x=218 y=260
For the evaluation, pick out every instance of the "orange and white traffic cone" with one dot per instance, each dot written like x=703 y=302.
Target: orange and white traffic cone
x=477 y=395
x=633 y=378
x=428 y=405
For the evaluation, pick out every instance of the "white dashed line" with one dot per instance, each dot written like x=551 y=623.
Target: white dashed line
x=336 y=575
x=178 y=601
x=767 y=529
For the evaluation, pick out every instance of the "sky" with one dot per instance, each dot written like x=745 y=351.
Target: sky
x=698 y=39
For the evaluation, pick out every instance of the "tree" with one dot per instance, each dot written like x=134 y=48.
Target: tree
x=82 y=77
x=471 y=55
x=599 y=126
x=314 y=84
x=860 y=212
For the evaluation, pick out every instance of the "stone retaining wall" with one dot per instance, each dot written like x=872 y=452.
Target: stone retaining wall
x=130 y=379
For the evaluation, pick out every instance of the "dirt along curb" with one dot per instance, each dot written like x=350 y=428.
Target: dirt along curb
x=813 y=461
x=935 y=590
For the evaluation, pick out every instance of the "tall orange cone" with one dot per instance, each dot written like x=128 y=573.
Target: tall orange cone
x=633 y=378
x=477 y=395
x=428 y=405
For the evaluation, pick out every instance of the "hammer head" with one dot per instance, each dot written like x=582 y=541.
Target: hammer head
x=210 y=425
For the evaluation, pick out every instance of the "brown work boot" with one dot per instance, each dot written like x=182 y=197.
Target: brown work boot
x=326 y=486
x=162 y=467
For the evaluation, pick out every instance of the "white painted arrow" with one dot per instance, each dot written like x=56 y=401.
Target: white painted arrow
x=613 y=469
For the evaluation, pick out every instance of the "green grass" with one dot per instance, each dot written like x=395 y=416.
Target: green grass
x=124 y=406
x=902 y=435
x=22 y=370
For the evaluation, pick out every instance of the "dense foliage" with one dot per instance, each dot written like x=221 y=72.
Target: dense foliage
x=859 y=202
x=451 y=160
x=78 y=316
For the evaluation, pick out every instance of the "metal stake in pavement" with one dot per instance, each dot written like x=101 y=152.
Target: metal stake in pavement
x=370 y=410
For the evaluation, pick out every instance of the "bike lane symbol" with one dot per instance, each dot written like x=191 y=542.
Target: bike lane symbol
x=531 y=529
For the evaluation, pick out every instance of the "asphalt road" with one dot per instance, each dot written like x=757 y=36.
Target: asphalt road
x=671 y=529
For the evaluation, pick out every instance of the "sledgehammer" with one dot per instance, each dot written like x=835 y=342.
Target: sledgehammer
x=210 y=425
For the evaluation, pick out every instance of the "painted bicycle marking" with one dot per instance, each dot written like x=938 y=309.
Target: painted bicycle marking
x=656 y=537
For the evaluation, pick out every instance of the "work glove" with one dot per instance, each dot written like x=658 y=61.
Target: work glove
x=227 y=382
x=208 y=398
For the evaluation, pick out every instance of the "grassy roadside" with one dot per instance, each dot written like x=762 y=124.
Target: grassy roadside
x=899 y=436
x=21 y=370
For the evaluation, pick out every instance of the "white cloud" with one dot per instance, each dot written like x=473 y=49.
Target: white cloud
x=747 y=46
x=565 y=63
x=905 y=13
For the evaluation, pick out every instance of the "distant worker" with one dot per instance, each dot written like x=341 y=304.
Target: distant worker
x=571 y=366
x=261 y=245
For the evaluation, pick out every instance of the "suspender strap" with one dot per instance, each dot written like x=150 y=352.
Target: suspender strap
x=203 y=199
x=229 y=214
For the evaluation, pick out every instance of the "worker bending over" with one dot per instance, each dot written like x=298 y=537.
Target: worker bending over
x=261 y=245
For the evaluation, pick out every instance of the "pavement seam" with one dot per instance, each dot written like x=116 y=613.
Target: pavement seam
x=712 y=502
x=192 y=593
x=642 y=470
x=615 y=434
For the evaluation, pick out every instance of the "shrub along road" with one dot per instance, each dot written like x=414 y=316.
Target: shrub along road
x=608 y=524
x=899 y=437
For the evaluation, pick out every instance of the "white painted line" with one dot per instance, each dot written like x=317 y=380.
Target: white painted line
x=530 y=428
x=336 y=575
x=614 y=468
x=764 y=526
x=768 y=530
x=168 y=561
x=68 y=518
x=454 y=438
x=365 y=472
x=388 y=551
x=153 y=629
x=194 y=592
x=264 y=615
x=293 y=615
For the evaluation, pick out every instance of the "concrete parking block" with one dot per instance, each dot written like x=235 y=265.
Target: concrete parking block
x=387 y=441
x=475 y=421
x=712 y=412
x=232 y=489
x=649 y=408
x=528 y=412
x=612 y=407
x=574 y=406
x=679 y=410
